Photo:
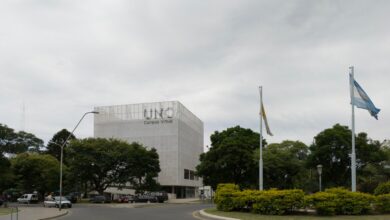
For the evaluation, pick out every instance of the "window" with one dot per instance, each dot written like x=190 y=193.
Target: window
x=186 y=174
x=192 y=174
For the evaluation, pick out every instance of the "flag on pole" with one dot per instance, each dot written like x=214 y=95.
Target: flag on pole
x=262 y=112
x=361 y=100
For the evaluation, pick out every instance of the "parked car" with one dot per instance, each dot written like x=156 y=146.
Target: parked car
x=146 y=198
x=161 y=196
x=100 y=199
x=126 y=199
x=55 y=202
x=73 y=197
x=28 y=198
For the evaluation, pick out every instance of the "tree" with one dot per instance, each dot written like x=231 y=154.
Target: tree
x=36 y=172
x=18 y=142
x=284 y=165
x=231 y=158
x=6 y=175
x=54 y=145
x=332 y=147
x=110 y=162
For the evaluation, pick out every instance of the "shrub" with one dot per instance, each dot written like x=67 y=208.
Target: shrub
x=323 y=202
x=351 y=203
x=277 y=202
x=383 y=188
x=224 y=196
x=340 y=201
x=382 y=203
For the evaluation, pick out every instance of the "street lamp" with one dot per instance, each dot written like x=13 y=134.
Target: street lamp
x=62 y=152
x=319 y=170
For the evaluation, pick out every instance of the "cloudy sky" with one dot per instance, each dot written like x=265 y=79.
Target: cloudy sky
x=59 y=59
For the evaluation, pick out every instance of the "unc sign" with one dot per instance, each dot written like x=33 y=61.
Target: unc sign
x=161 y=113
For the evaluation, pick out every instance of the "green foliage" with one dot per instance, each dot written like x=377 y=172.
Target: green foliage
x=323 y=202
x=230 y=158
x=382 y=203
x=18 y=142
x=6 y=175
x=278 y=202
x=284 y=165
x=104 y=162
x=54 y=145
x=340 y=201
x=271 y=202
x=224 y=196
x=383 y=188
x=331 y=148
x=36 y=172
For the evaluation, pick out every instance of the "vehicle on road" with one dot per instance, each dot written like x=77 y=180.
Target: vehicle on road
x=55 y=202
x=126 y=199
x=73 y=196
x=28 y=198
x=100 y=199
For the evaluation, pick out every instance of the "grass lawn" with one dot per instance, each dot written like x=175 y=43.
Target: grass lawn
x=5 y=211
x=250 y=216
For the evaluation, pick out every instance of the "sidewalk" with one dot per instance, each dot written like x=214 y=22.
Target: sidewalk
x=35 y=213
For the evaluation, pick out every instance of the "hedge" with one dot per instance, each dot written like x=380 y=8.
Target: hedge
x=382 y=203
x=340 y=201
x=383 y=188
x=273 y=202
x=334 y=201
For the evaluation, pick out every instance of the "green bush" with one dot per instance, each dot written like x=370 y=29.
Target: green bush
x=382 y=203
x=383 y=188
x=224 y=196
x=323 y=202
x=277 y=202
x=340 y=201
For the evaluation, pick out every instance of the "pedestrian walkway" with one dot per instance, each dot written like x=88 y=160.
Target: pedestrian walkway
x=35 y=213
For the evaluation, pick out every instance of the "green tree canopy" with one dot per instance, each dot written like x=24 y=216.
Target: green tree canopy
x=18 y=142
x=111 y=162
x=36 y=172
x=6 y=175
x=54 y=145
x=230 y=158
x=332 y=147
x=284 y=165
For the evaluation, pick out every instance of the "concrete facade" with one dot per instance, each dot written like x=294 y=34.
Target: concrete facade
x=175 y=132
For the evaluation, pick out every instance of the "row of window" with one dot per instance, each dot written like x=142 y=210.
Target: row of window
x=190 y=175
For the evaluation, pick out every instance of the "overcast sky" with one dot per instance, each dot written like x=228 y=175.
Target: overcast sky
x=59 y=59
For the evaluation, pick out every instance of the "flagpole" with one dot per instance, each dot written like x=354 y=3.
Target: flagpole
x=353 y=155
x=261 y=143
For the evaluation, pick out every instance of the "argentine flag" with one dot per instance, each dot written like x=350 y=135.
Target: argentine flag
x=360 y=99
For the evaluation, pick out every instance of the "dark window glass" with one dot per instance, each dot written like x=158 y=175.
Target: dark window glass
x=186 y=174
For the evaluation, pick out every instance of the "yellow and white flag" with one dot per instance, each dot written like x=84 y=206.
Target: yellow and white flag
x=262 y=112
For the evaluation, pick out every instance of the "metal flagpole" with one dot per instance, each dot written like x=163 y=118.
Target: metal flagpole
x=261 y=143
x=353 y=155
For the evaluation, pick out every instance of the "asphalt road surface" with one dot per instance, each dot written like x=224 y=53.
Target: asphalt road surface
x=155 y=212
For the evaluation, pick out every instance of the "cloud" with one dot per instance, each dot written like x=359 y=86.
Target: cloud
x=62 y=58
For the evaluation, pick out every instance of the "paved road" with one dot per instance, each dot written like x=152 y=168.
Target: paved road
x=157 y=212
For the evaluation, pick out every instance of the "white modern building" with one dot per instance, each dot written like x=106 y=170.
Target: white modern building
x=175 y=132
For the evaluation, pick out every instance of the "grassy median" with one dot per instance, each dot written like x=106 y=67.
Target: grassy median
x=5 y=211
x=251 y=216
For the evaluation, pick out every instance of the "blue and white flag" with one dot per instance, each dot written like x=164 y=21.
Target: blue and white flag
x=360 y=98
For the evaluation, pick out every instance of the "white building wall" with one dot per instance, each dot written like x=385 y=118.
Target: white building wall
x=174 y=131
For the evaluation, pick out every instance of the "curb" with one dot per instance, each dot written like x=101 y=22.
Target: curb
x=56 y=216
x=204 y=214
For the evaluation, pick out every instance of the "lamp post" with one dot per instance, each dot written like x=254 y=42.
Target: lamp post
x=319 y=170
x=62 y=152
